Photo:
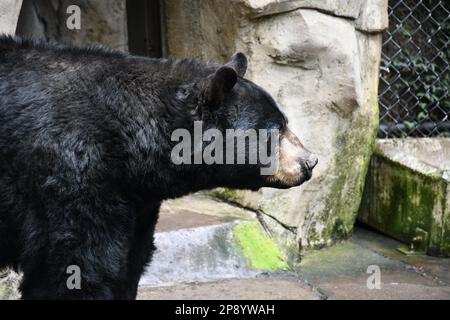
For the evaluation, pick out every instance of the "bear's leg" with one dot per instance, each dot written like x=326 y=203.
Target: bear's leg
x=85 y=254
x=8 y=248
x=38 y=284
x=141 y=250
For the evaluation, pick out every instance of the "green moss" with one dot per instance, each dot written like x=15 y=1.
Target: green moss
x=258 y=248
x=445 y=244
x=342 y=202
x=314 y=236
x=229 y=195
x=398 y=201
x=340 y=230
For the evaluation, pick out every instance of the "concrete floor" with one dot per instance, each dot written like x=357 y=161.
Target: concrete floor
x=263 y=288
x=339 y=272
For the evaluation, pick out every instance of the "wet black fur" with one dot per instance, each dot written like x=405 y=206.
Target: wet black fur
x=85 y=141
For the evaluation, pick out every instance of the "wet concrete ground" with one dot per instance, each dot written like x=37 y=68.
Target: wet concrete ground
x=262 y=288
x=339 y=272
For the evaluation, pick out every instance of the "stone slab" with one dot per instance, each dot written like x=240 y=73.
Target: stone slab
x=234 y=289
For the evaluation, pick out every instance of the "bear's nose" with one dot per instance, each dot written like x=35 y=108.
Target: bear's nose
x=312 y=161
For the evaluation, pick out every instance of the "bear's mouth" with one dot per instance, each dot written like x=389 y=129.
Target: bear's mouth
x=306 y=175
x=302 y=177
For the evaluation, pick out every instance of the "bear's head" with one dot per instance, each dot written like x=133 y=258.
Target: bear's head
x=245 y=139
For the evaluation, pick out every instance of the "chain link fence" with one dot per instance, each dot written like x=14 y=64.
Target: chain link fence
x=415 y=70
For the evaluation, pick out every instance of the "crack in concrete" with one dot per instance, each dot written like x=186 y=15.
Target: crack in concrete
x=258 y=214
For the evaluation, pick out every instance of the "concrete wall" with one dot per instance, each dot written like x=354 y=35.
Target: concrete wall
x=407 y=193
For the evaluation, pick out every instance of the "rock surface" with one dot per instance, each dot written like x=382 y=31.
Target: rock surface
x=9 y=284
x=102 y=22
x=343 y=8
x=320 y=60
x=373 y=16
x=199 y=239
x=9 y=14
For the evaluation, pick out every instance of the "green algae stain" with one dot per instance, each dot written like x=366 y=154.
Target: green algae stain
x=341 y=204
x=399 y=200
x=229 y=195
x=258 y=248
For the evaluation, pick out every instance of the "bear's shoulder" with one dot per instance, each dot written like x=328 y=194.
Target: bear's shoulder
x=8 y=43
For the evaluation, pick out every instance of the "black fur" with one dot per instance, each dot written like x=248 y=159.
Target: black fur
x=85 y=141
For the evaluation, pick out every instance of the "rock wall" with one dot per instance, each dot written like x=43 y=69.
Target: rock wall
x=407 y=193
x=9 y=14
x=103 y=22
x=320 y=60
x=9 y=285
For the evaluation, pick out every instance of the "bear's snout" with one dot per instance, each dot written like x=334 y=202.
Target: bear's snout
x=296 y=163
x=307 y=168
x=307 y=163
x=311 y=162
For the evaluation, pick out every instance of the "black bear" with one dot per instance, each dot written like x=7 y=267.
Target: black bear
x=86 y=157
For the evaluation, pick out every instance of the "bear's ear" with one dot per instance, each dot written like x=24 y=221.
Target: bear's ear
x=221 y=83
x=239 y=63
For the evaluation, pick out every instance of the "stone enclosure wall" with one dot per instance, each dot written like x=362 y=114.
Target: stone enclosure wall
x=320 y=60
x=102 y=22
x=407 y=193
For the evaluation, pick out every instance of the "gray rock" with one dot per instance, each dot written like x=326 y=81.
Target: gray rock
x=373 y=16
x=342 y=8
x=197 y=254
x=9 y=14
x=369 y=15
x=9 y=284
x=102 y=22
